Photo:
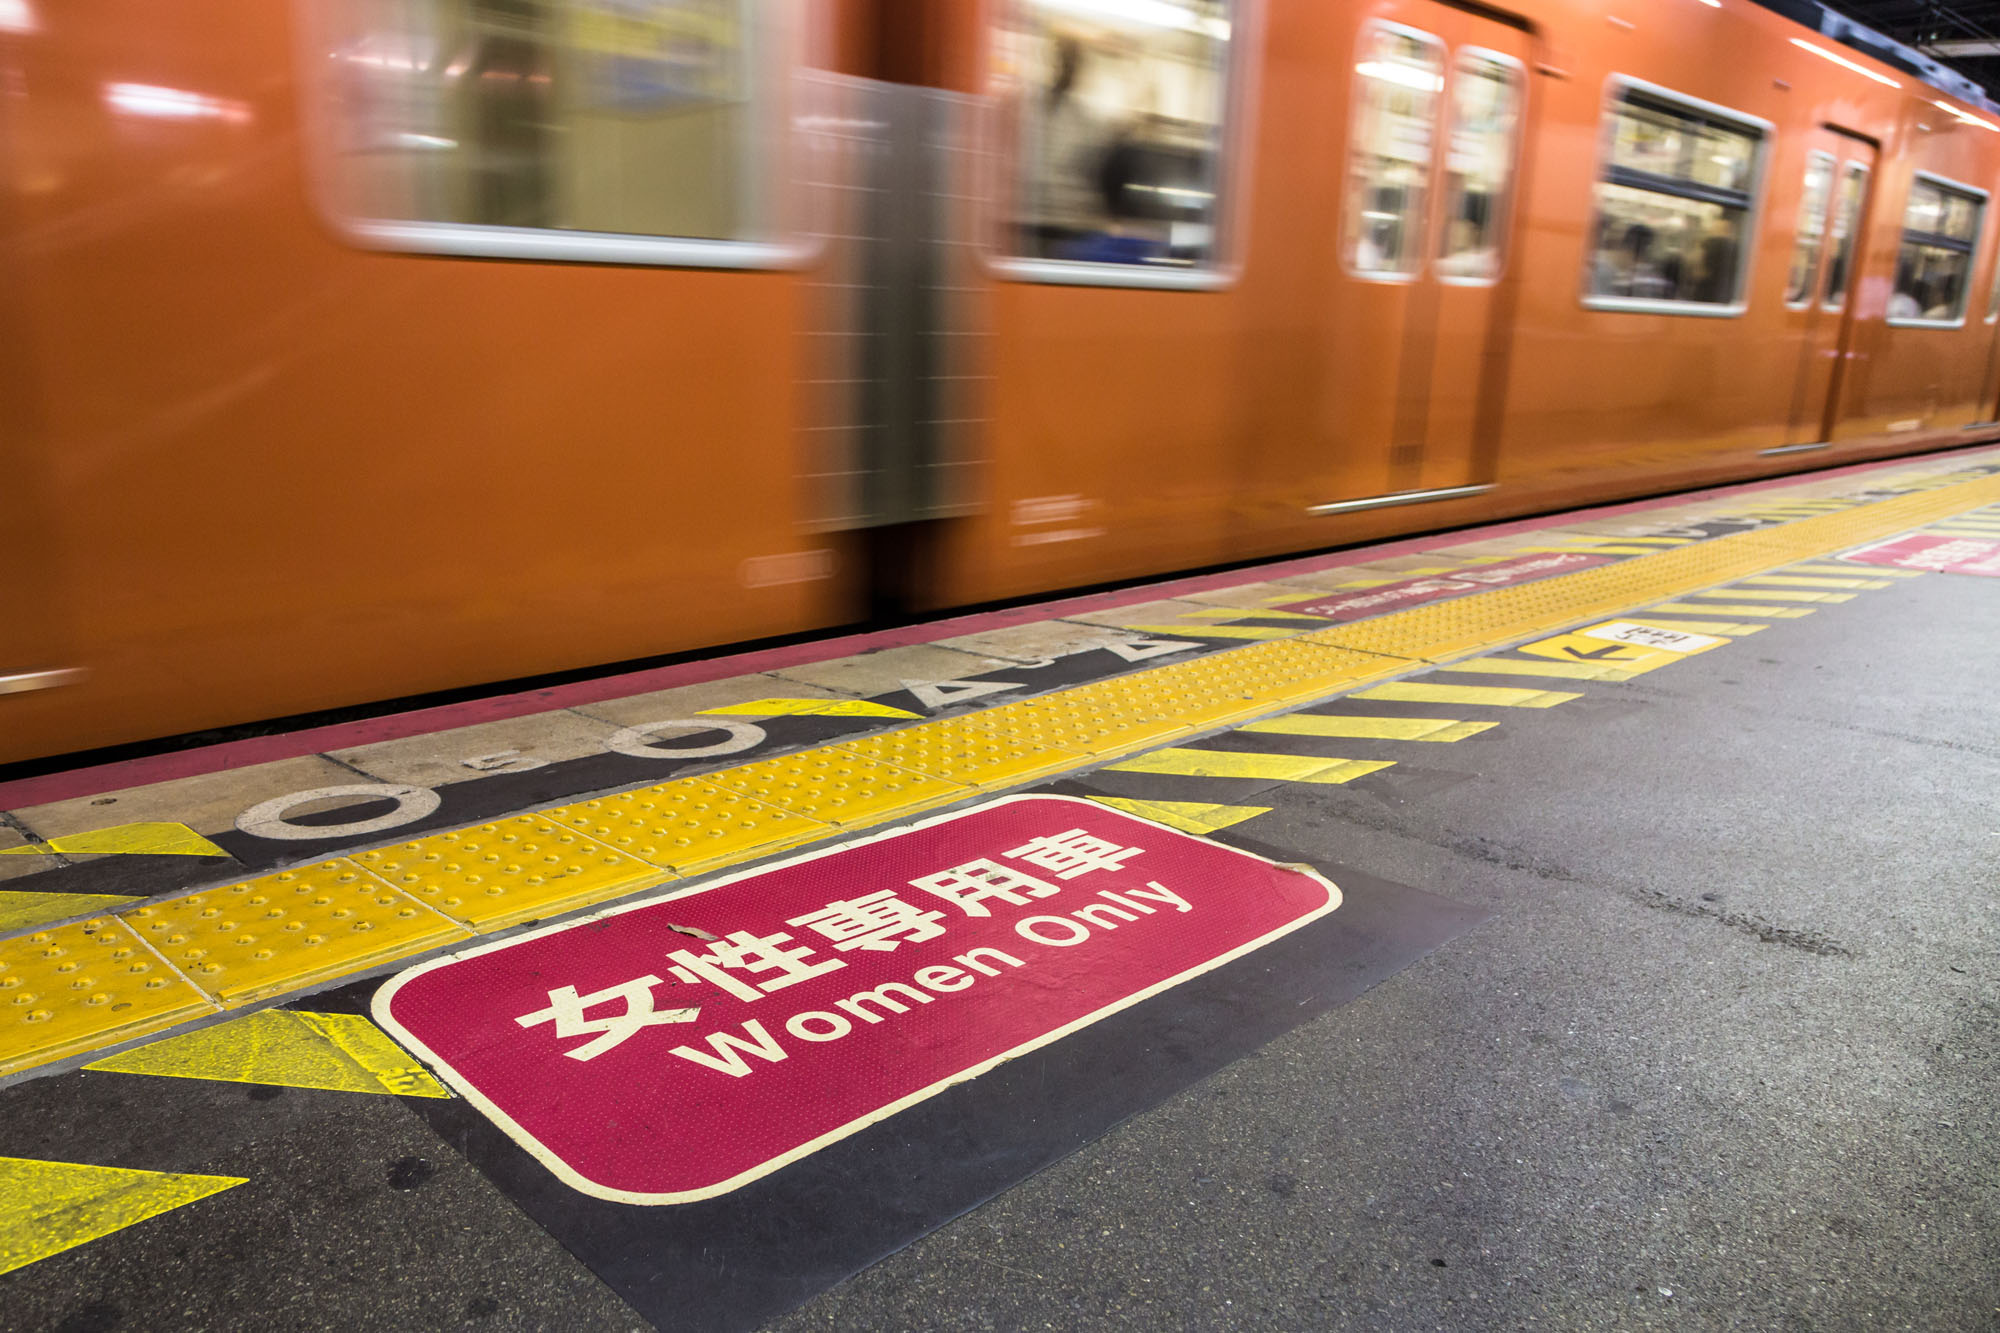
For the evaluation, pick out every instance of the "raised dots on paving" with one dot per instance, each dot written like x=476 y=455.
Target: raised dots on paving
x=688 y=825
x=497 y=875
x=837 y=787
x=979 y=757
x=83 y=987
x=1085 y=721
x=243 y=942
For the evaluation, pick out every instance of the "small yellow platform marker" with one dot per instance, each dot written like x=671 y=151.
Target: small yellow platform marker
x=150 y=839
x=332 y=1052
x=49 y=1207
x=1498 y=696
x=1730 y=609
x=1767 y=595
x=1239 y=764
x=1634 y=648
x=1873 y=572
x=1369 y=728
x=1187 y=816
x=1517 y=666
x=809 y=708
x=1195 y=631
x=20 y=910
x=1810 y=581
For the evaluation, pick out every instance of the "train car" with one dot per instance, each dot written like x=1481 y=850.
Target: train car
x=356 y=350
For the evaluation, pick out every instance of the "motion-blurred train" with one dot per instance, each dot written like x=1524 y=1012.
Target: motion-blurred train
x=359 y=349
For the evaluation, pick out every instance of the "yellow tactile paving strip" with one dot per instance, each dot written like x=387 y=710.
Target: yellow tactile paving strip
x=277 y=934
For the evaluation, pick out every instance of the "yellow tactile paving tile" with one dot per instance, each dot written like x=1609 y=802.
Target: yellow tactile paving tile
x=979 y=757
x=838 y=787
x=1086 y=721
x=495 y=875
x=1363 y=727
x=82 y=987
x=21 y=910
x=1490 y=696
x=1240 y=764
x=243 y=942
x=688 y=825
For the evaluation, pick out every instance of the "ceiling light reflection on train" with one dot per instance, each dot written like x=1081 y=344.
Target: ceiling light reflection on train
x=17 y=16
x=145 y=99
x=1965 y=116
x=1406 y=76
x=1845 y=63
x=1148 y=13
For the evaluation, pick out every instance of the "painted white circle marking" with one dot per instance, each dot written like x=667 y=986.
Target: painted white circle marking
x=637 y=741
x=268 y=819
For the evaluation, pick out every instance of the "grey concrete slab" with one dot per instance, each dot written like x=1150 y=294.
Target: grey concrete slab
x=464 y=753
x=208 y=803
x=868 y=674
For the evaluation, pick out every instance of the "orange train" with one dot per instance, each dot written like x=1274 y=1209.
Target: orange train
x=360 y=349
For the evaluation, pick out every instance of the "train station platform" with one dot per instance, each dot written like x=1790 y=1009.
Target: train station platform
x=1580 y=922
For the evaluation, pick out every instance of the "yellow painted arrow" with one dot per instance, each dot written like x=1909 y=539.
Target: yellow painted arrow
x=49 y=1207
x=335 y=1052
x=1187 y=816
x=150 y=839
x=810 y=707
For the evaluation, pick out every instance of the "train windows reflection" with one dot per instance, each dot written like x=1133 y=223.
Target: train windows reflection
x=1121 y=110
x=1846 y=226
x=1673 y=209
x=1934 y=264
x=1398 y=77
x=1479 y=165
x=1801 y=280
x=619 y=116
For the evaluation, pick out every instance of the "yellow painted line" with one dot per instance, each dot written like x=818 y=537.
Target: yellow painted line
x=149 y=839
x=1187 y=631
x=1873 y=572
x=1811 y=581
x=1239 y=764
x=1728 y=629
x=1187 y=816
x=809 y=708
x=1514 y=666
x=49 y=1207
x=756 y=809
x=1637 y=541
x=1495 y=696
x=1361 y=726
x=19 y=910
x=288 y=1049
x=1620 y=547
x=1773 y=595
x=1729 y=609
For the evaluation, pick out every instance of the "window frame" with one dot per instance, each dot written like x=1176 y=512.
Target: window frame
x=1521 y=85
x=1235 y=150
x=777 y=36
x=1970 y=249
x=1852 y=166
x=1615 y=88
x=1426 y=238
x=1815 y=279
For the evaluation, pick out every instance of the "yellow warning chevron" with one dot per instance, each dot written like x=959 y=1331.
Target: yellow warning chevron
x=1187 y=816
x=21 y=910
x=809 y=708
x=335 y=1052
x=49 y=1207
x=151 y=839
x=1499 y=696
x=1238 y=764
x=1369 y=728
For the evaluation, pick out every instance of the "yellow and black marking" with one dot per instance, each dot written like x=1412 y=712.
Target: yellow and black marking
x=138 y=969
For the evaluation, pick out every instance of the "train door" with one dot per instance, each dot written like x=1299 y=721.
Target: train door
x=1439 y=119
x=1989 y=391
x=1826 y=254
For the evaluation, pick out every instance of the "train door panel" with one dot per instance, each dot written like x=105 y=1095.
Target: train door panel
x=1434 y=138
x=1826 y=257
x=1989 y=389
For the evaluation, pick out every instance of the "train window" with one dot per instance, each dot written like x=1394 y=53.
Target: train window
x=1121 y=111
x=1802 y=281
x=1400 y=74
x=1934 y=265
x=1846 y=225
x=617 y=130
x=1674 y=205
x=1479 y=164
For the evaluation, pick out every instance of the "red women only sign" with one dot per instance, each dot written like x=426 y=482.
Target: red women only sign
x=675 y=1049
